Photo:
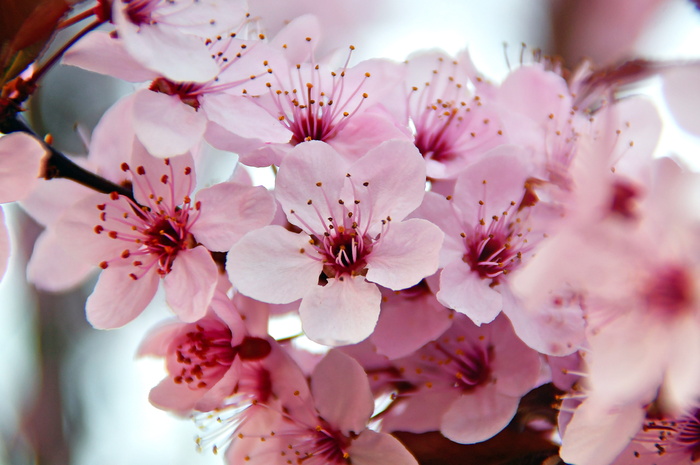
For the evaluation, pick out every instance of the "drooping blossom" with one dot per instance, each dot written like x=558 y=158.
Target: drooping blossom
x=352 y=238
x=467 y=383
x=21 y=157
x=333 y=430
x=157 y=235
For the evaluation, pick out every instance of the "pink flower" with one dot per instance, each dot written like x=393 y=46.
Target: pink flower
x=467 y=383
x=490 y=230
x=172 y=116
x=453 y=125
x=157 y=236
x=352 y=238
x=341 y=106
x=168 y=37
x=333 y=430
x=666 y=441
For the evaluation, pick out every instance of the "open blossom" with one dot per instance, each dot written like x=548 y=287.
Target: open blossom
x=172 y=116
x=168 y=36
x=157 y=235
x=467 y=383
x=665 y=441
x=453 y=124
x=21 y=158
x=339 y=105
x=488 y=235
x=333 y=429
x=352 y=238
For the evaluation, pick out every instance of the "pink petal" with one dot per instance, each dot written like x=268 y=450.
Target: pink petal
x=406 y=253
x=419 y=413
x=303 y=168
x=107 y=307
x=189 y=287
x=292 y=38
x=463 y=290
x=478 y=416
x=395 y=171
x=549 y=329
x=177 y=56
x=497 y=179
x=178 y=185
x=52 y=267
x=407 y=323
x=158 y=340
x=267 y=265
x=366 y=131
x=113 y=139
x=515 y=366
x=100 y=53
x=229 y=211
x=166 y=126
x=75 y=231
x=371 y=448
x=240 y=116
x=344 y=311
x=177 y=398
x=20 y=164
x=596 y=435
x=341 y=392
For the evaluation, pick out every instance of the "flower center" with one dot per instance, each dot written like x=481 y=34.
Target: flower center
x=155 y=233
x=344 y=251
x=204 y=355
x=140 y=11
x=669 y=291
x=318 y=104
x=679 y=438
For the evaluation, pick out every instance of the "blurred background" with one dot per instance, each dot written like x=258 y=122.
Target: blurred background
x=74 y=395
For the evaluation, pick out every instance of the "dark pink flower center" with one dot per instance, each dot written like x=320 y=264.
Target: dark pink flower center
x=679 y=438
x=344 y=251
x=187 y=91
x=140 y=11
x=449 y=122
x=204 y=355
x=323 y=445
x=154 y=234
x=669 y=291
x=319 y=108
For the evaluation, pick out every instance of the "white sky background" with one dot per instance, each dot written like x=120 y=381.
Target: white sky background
x=122 y=426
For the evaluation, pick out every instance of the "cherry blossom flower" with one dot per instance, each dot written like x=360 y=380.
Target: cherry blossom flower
x=341 y=106
x=172 y=116
x=467 y=383
x=333 y=432
x=453 y=126
x=157 y=235
x=666 y=441
x=352 y=238
x=168 y=36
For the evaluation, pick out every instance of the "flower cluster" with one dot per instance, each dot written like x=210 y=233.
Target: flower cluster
x=454 y=244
